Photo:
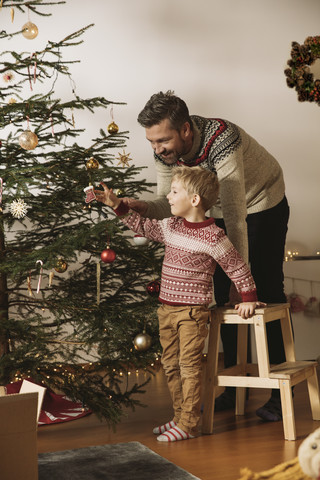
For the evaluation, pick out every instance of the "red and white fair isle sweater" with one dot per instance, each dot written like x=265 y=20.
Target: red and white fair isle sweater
x=192 y=251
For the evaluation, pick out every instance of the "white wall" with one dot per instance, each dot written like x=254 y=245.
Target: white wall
x=225 y=58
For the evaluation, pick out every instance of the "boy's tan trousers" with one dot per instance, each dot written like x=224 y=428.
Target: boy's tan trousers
x=183 y=330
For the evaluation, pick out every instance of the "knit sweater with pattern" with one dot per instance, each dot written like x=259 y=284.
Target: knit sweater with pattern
x=192 y=251
x=250 y=178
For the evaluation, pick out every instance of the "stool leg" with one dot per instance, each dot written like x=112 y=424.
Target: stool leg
x=242 y=360
x=289 y=425
x=262 y=346
x=287 y=336
x=313 y=388
x=211 y=377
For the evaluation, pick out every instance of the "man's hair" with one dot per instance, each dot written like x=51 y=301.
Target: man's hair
x=197 y=180
x=164 y=105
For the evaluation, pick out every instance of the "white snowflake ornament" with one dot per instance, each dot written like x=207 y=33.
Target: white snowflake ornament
x=18 y=208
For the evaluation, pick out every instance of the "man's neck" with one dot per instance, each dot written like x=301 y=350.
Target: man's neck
x=193 y=145
x=189 y=143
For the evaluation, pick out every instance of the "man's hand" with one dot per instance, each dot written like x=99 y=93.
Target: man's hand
x=136 y=205
x=247 y=309
x=107 y=196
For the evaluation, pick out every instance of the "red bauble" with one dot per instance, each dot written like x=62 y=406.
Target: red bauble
x=108 y=255
x=153 y=288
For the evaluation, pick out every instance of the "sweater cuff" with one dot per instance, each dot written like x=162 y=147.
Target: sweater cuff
x=249 y=296
x=123 y=209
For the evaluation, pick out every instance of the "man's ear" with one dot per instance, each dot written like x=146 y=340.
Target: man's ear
x=195 y=201
x=186 y=130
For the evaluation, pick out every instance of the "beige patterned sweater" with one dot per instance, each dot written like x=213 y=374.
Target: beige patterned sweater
x=251 y=180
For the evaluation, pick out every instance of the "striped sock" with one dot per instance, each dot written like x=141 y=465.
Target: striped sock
x=164 y=428
x=174 y=435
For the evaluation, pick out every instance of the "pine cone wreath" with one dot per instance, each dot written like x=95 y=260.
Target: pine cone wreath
x=298 y=75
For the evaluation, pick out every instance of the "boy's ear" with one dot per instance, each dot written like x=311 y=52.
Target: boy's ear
x=195 y=200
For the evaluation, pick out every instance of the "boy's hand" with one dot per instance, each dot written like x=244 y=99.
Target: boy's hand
x=107 y=196
x=247 y=309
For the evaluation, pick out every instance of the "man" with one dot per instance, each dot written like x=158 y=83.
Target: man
x=252 y=209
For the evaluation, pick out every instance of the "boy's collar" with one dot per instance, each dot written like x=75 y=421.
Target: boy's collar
x=205 y=223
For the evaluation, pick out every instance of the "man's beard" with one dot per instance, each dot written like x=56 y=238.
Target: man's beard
x=170 y=158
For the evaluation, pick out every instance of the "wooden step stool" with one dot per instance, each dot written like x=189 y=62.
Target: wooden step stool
x=283 y=376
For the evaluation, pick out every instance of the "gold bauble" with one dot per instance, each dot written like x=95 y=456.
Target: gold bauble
x=28 y=140
x=61 y=266
x=142 y=342
x=119 y=192
x=92 y=164
x=113 y=128
x=29 y=30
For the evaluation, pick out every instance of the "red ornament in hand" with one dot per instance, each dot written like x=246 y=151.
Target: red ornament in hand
x=108 y=255
x=153 y=288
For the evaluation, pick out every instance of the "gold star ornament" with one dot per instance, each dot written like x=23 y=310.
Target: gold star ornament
x=124 y=159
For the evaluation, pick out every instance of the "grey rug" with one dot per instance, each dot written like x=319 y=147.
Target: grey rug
x=122 y=461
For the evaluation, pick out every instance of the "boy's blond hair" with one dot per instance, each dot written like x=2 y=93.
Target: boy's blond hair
x=197 y=180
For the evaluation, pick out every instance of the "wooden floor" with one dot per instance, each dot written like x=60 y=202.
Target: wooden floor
x=236 y=442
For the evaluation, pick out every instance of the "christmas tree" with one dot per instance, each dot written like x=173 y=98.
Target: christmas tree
x=72 y=280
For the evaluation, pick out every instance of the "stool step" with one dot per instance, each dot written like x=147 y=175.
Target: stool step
x=292 y=370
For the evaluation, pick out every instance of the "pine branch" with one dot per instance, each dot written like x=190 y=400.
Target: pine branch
x=23 y=5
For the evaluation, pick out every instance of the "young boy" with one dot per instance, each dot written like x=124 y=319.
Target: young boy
x=193 y=245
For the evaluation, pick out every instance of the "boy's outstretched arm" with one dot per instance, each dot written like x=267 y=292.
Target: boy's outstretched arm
x=107 y=196
x=247 y=309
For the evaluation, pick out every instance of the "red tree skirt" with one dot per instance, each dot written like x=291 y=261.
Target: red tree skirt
x=55 y=408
